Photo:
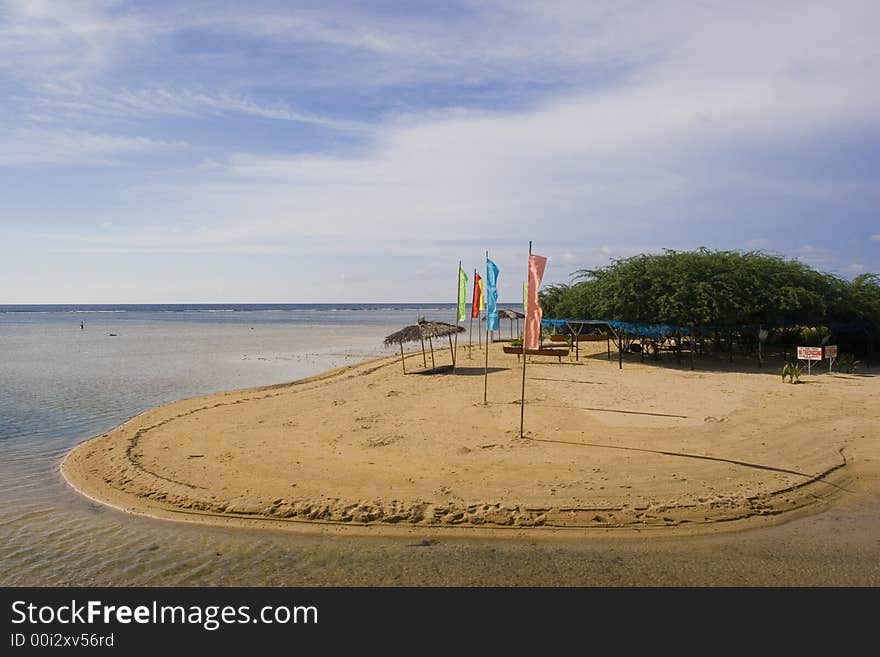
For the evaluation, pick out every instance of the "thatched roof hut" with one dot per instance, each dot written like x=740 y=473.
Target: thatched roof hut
x=421 y=330
x=439 y=329
x=411 y=333
x=513 y=316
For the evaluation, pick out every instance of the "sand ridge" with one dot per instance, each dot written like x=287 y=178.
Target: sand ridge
x=366 y=445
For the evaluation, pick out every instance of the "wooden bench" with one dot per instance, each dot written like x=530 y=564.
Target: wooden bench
x=547 y=351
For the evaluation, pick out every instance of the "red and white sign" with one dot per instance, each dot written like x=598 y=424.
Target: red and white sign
x=809 y=353
x=831 y=351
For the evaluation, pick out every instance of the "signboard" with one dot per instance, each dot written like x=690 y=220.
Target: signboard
x=830 y=353
x=809 y=353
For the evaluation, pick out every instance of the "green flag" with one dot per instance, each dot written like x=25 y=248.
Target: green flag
x=462 y=293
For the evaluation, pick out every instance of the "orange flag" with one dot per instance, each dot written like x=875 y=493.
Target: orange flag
x=534 y=313
x=479 y=302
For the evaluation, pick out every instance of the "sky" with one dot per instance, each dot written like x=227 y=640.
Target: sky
x=303 y=152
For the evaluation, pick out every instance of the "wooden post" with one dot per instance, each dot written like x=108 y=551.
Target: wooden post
x=486 y=371
x=522 y=399
x=608 y=342
x=620 y=349
x=471 y=336
x=402 y=361
x=457 y=306
x=431 y=344
x=424 y=358
x=577 y=342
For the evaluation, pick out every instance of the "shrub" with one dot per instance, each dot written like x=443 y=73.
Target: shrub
x=792 y=371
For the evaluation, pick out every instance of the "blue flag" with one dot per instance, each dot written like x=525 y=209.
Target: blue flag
x=491 y=296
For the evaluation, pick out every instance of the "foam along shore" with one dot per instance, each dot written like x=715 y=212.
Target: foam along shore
x=367 y=446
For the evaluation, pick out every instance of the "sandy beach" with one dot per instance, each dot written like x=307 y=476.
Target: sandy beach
x=367 y=448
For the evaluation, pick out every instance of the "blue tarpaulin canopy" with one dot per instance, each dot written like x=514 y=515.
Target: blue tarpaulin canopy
x=631 y=328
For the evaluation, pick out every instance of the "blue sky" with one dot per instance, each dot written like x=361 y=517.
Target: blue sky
x=334 y=151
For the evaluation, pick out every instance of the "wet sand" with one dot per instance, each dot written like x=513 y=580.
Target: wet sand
x=367 y=449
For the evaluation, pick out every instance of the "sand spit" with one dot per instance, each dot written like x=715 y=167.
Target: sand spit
x=367 y=446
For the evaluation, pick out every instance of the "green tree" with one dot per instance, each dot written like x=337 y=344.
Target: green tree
x=715 y=288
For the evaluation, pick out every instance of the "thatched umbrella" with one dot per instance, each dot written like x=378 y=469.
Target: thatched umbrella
x=418 y=332
x=511 y=315
x=410 y=333
x=432 y=330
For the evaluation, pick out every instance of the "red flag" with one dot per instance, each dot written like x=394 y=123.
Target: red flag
x=534 y=313
x=477 y=304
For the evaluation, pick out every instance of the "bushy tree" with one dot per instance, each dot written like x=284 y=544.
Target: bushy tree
x=715 y=288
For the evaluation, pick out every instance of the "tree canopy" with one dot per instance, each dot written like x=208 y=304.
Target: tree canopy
x=715 y=288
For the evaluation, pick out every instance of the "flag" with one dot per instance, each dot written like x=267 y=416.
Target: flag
x=491 y=296
x=479 y=301
x=534 y=313
x=462 y=293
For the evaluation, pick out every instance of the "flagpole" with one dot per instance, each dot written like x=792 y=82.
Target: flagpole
x=486 y=373
x=522 y=402
x=457 y=306
x=471 y=336
x=479 y=328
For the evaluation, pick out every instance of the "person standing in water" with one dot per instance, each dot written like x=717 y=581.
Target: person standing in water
x=82 y=326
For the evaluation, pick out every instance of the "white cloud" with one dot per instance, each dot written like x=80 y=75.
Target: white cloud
x=67 y=38
x=816 y=256
x=585 y=163
x=678 y=44
x=629 y=114
x=33 y=146
x=80 y=103
x=585 y=166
